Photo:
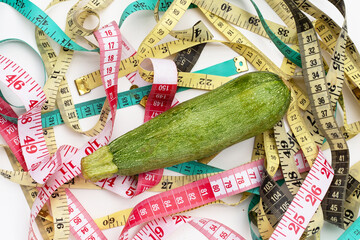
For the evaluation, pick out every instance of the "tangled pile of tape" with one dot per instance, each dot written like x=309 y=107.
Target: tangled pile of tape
x=290 y=187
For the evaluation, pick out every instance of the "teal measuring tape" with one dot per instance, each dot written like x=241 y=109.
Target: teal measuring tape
x=37 y=16
x=193 y=168
x=353 y=232
x=145 y=5
x=93 y=107
x=289 y=53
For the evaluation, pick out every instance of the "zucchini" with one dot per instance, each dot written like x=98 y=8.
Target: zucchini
x=198 y=128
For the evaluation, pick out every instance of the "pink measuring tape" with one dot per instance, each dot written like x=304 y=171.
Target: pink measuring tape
x=307 y=200
x=29 y=124
x=227 y=183
x=163 y=227
x=82 y=226
x=109 y=39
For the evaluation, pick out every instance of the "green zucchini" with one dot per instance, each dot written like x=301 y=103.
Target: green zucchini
x=197 y=128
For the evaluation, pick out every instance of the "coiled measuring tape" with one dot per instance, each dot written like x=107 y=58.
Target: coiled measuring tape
x=43 y=21
x=320 y=102
x=93 y=143
x=305 y=27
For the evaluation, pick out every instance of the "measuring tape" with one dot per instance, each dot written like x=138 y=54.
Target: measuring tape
x=166 y=182
x=260 y=62
x=284 y=49
x=82 y=225
x=320 y=102
x=32 y=142
x=160 y=99
x=163 y=227
x=286 y=146
x=44 y=22
x=272 y=157
x=276 y=199
x=9 y=132
x=352 y=232
x=311 y=193
x=46 y=227
x=133 y=96
x=195 y=194
x=70 y=167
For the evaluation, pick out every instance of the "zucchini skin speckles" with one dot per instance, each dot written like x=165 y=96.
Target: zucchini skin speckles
x=198 y=128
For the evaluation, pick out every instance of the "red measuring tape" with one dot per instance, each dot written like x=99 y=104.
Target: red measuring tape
x=9 y=132
x=160 y=99
x=163 y=88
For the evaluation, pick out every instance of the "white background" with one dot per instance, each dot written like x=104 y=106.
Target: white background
x=14 y=211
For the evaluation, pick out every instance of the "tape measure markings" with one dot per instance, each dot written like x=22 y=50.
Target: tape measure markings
x=125 y=99
x=320 y=101
x=209 y=189
x=185 y=79
x=283 y=12
x=301 y=133
x=166 y=183
x=272 y=156
x=293 y=179
x=276 y=199
x=44 y=22
x=242 y=18
x=92 y=80
x=60 y=213
x=334 y=89
x=31 y=141
x=240 y=44
x=30 y=193
x=283 y=48
x=71 y=159
x=82 y=225
x=287 y=148
x=352 y=233
x=312 y=191
x=263 y=222
x=258 y=149
x=9 y=133
x=351 y=50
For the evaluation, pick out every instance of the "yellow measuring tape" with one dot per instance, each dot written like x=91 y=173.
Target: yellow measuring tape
x=219 y=15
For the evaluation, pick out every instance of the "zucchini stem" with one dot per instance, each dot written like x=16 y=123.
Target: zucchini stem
x=98 y=165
